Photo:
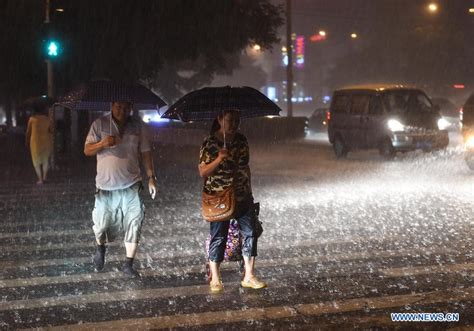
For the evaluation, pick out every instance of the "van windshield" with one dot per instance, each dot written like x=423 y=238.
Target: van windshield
x=406 y=101
x=396 y=101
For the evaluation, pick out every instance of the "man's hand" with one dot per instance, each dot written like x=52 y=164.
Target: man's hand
x=152 y=187
x=110 y=141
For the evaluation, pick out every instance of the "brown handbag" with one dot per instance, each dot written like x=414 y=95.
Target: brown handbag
x=220 y=206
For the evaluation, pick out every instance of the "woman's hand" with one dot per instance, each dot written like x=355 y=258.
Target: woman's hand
x=206 y=170
x=223 y=155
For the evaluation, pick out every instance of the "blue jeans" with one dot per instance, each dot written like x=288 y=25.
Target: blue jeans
x=219 y=232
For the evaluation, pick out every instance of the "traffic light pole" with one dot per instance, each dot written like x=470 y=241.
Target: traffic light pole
x=50 y=79
x=48 y=62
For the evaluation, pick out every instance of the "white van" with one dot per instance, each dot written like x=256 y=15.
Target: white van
x=391 y=118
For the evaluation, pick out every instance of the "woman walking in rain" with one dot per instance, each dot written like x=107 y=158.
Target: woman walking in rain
x=224 y=162
x=40 y=141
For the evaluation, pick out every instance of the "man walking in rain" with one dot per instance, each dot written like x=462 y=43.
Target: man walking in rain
x=119 y=141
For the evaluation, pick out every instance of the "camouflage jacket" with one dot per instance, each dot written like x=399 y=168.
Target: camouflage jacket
x=223 y=175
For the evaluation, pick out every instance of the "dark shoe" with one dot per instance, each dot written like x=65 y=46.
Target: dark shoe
x=128 y=270
x=99 y=258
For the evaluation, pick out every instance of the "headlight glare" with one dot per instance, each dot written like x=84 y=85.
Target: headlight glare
x=470 y=142
x=395 y=125
x=443 y=124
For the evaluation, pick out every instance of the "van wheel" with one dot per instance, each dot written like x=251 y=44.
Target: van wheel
x=386 y=149
x=340 y=148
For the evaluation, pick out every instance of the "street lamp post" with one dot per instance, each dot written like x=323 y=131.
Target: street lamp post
x=289 y=66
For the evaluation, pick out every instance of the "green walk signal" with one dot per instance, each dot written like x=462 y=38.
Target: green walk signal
x=53 y=49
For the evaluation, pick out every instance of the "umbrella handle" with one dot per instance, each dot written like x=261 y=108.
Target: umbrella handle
x=110 y=129
x=223 y=121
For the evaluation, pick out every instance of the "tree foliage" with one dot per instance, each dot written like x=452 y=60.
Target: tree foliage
x=21 y=64
x=171 y=45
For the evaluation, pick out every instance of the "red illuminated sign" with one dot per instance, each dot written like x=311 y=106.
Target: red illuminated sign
x=299 y=51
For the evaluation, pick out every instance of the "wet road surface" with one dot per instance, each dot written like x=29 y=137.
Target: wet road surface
x=345 y=243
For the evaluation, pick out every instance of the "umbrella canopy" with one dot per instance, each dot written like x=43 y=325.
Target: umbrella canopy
x=206 y=103
x=97 y=95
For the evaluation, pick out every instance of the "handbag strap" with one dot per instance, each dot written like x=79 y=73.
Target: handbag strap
x=236 y=168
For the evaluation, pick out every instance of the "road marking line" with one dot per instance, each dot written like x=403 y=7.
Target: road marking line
x=39 y=234
x=385 y=302
x=107 y=297
x=89 y=245
x=150 y=239
x=94 y=276
x=188 y=320
x=424 y=270
x=147 y=241
x=160 y=254
x=15 y=223
x=178 y=271
x=276 y=312
x=158 y=244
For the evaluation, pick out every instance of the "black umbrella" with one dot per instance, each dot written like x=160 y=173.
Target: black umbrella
x=206 y=103
x=99 y=94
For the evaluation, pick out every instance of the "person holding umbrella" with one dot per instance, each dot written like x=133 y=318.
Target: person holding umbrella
x=224 y=161
x=224 y=165
x=119 y=142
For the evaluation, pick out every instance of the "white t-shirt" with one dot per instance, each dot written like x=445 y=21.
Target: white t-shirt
x=118 y=167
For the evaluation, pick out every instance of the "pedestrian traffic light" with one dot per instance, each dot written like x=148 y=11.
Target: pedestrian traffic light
x=52 y=49
x=51 y=44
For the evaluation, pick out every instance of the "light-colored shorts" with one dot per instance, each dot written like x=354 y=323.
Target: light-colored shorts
x=118 y=211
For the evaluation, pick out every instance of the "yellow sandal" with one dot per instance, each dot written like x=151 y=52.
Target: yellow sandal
x=253 y=283
x=216 y=288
